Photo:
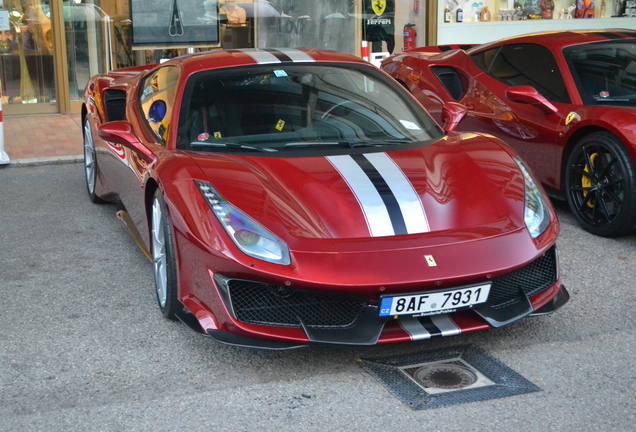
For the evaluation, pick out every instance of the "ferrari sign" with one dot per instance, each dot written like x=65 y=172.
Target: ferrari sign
x=379 y=6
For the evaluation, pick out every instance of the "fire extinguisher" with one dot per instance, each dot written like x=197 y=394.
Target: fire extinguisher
x=409 y=36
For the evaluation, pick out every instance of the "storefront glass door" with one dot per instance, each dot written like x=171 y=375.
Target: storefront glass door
x=50 y=51
x=26 y=58
x=87 y=30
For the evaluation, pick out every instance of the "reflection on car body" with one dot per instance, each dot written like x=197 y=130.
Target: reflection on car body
x=293 y=196
x=565 y=102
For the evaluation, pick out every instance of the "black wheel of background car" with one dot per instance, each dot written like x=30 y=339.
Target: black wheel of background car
x=90 y=163
x=600 y=182
x=163 y=258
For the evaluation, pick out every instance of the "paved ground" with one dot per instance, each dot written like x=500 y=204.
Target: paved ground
x=42 y=139
x=83 y=346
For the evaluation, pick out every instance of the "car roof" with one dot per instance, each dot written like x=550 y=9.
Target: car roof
x=558 y=40
x=253 y=56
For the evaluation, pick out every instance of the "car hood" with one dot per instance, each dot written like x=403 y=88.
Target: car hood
x=463 y=182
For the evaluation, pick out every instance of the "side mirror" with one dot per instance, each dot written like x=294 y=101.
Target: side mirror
x=529 y=95
x=121 y=132
x=452 y=114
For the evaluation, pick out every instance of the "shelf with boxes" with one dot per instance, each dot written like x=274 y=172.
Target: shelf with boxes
x=480 y=21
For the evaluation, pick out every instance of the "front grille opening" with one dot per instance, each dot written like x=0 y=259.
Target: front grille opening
x=534 y=278
x=263 y=304
x=257 y=303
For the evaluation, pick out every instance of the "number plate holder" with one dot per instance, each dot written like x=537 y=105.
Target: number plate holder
x=434 y=302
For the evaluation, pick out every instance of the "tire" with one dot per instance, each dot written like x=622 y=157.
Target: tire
x=163 y=258
x=90 y=163
x=600 y=183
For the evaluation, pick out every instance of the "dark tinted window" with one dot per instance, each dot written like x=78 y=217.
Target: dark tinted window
x=484 y=58
x=525 y=64
x=298 y=107
x=604 y=73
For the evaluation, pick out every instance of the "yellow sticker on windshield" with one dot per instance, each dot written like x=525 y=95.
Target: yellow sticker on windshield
x=217 y=135
x=280 y=125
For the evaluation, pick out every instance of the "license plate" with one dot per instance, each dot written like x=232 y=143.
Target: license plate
x=432 y=303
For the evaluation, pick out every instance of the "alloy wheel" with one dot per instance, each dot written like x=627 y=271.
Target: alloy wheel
x=159 y=258
x=89 y=159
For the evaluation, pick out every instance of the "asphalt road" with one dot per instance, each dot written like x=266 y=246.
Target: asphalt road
x=83 y=346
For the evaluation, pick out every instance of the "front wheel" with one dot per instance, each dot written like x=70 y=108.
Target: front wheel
x=90 y=163
x=163 y=258
x=600 y=182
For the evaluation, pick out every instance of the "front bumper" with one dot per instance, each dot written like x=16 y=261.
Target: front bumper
x=262 y=312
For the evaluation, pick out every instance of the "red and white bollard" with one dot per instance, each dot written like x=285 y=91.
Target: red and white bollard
x=364 y=50
x=4 y=157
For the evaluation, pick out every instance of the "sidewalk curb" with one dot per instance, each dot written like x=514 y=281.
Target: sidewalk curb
x=53 y=160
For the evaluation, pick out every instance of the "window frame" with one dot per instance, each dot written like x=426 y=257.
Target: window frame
x=145 y=100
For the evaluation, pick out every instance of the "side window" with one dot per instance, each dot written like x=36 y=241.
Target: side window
x=157 y=100
x=525 y=64
x=483 y=59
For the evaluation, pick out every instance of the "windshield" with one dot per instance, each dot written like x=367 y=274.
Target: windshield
x=604 y=73
x=278 y=108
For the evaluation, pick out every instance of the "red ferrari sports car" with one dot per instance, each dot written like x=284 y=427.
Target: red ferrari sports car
x=293 y=197
x=566 y=101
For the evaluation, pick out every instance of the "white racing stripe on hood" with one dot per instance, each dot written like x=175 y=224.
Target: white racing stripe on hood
x=373 y=207
x=390 y=204
x=408 y=200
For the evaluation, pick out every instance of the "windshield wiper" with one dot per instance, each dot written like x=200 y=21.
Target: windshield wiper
x=318 y=143
x=196 y=144
x=383 y=142
x=350 y=144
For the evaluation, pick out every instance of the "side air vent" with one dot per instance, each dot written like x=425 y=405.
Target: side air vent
x=115 y=103
x=451 y=80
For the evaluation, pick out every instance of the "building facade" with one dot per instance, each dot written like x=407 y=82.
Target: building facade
x=50 y=48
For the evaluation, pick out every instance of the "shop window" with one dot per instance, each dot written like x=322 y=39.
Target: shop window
x=525 y=64
x=157 y=100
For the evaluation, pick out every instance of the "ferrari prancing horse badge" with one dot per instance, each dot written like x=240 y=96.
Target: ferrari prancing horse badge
x=378 y=6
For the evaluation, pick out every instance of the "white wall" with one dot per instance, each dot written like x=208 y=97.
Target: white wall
x=482 y=32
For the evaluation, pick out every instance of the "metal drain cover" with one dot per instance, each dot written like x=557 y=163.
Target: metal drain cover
x=445 y=377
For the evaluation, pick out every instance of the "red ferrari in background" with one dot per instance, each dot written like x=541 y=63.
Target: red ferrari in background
x=293 y=197
x=566 y=101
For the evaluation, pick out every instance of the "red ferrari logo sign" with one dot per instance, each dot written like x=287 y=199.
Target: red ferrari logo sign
x=379 y=6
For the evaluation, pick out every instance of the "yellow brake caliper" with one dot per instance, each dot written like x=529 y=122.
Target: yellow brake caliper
x=585 y=181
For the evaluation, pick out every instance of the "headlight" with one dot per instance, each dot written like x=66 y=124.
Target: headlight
x=247 y=234
x=536 y=214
